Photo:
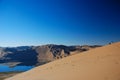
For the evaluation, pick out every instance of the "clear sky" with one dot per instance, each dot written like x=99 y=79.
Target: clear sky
x=69 y=22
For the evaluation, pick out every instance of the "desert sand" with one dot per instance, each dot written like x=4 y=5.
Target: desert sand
x=97 y=64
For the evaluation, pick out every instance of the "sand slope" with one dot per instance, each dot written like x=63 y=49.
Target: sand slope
x=97 y=64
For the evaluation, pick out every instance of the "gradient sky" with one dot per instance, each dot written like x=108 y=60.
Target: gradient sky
x=69 y=22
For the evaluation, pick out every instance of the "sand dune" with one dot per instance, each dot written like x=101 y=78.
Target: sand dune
x=97 y=64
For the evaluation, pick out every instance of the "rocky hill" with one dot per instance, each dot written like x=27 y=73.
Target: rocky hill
x=37 y=55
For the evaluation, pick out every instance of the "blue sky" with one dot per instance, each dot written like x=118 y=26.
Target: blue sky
x=69 y=22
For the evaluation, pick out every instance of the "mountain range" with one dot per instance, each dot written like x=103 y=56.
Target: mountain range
x=37 y=55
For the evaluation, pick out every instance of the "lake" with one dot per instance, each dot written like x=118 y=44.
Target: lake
x=5 y=68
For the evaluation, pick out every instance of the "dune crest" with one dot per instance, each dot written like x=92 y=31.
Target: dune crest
x=97 y=64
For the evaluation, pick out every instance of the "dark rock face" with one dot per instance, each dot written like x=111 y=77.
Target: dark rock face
x=25 y=56
x=37 y=55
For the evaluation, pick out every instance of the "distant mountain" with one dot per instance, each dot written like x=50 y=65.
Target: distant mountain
x=37 y=55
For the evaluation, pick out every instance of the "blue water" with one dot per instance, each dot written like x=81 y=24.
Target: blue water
x=5 y=68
